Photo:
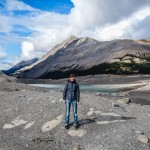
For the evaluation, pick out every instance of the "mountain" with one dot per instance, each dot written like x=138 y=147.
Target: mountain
x=19 y=66
x=84 y=56
x=1 y=73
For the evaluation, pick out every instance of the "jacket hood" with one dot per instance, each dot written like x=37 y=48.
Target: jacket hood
x=74 y=81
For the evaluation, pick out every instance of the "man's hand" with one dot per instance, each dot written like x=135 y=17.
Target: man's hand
x=78 y=104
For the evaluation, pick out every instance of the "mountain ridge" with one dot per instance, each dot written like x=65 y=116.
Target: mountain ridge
x=20 y=65
x=82 y=55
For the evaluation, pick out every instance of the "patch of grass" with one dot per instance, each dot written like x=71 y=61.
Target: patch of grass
x=105 y=68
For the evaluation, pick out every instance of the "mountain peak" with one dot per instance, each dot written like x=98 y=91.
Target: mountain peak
x=64 y=44
x=85 y=39
x=69 y=40
x=72 y=37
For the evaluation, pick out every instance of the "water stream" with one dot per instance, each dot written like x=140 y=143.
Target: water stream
x=83 y=87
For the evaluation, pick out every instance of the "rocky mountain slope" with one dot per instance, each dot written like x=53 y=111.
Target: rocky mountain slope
x=20 y=65
x=84 y=56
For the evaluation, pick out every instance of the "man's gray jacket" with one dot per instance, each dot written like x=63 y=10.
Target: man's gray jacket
x=71 y=91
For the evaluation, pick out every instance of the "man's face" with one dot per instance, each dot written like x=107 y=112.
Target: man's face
x=72 y=78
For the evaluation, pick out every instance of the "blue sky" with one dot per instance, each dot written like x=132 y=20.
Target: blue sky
x=12 y=48
x=57 y=6
x=30 y=28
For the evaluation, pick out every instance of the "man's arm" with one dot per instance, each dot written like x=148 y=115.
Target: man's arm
x=78 y=93
x=65 y=91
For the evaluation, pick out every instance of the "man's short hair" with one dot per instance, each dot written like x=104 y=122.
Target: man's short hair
x=72 y=75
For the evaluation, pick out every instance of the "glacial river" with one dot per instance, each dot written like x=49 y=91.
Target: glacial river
x=84 y=87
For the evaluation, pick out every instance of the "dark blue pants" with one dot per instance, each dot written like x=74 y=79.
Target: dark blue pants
x=74 y=107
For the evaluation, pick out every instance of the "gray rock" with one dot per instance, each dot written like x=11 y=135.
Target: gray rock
x=116 y=105
x=97 y=94
x=21 y=96
x=143 y=139
x=139 y=132
x=77 y=148
x=61 y=100
x=123 y=100
x=79 y=133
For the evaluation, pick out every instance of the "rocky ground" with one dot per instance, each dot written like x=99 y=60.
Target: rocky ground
x=33 y=118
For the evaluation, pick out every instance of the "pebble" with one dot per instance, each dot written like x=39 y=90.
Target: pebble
x=91 y=109
x=115 y=105
x=143 y=139
x=89 y=113
x=77 y=148
x=123 y=100
x=78 y=133
x=21 y=95
x=138 y=132
x=61 y=100
x=148 y=115
x=97 y=94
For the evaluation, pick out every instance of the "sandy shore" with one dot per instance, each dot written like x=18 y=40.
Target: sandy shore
x=33 y=118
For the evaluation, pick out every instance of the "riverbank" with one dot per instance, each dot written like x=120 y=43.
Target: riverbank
x=33 y=117
x=94 y=79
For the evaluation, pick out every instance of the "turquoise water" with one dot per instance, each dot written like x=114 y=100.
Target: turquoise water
x=83 y=87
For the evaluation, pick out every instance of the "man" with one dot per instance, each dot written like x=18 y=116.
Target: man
x=71 y=95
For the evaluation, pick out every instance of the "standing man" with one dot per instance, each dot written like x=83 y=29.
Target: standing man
x=71 y=95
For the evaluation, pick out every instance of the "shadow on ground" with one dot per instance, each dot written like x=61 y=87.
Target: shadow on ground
x=140 y=101
x=87 y=121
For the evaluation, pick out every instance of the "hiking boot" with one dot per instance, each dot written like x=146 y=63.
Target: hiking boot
x=76 y=126
x=66 y=126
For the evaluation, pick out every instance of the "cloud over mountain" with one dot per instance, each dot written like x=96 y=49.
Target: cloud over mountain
x=99 y=19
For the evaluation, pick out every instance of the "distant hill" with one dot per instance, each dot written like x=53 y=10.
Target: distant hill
x=84 y=56
x=1 y=72
x=19 y=66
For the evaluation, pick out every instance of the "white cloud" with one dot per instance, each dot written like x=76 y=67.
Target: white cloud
x=17 y=5
x=2 y=53
x=126 y=27
x=89 y=14
x=5 y=65
x=5 y=25
x=99 y=19
x=27 y=50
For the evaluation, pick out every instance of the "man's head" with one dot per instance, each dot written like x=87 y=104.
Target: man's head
x=72 y=77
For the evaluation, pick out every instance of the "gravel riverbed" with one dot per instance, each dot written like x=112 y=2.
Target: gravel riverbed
x=33 y=118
